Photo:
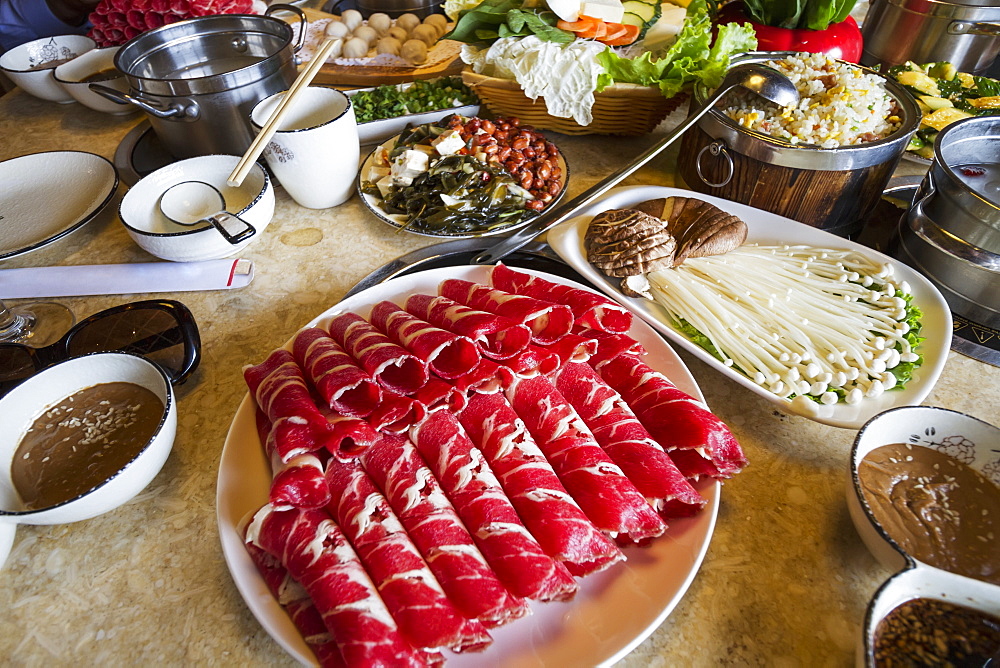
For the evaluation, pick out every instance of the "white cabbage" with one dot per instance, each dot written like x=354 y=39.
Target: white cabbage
x=564 y=74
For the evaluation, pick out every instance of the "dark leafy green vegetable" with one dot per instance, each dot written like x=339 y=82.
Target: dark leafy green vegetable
x=420 y=96
x=799 y=14
x=492 y=19
x=458 y=195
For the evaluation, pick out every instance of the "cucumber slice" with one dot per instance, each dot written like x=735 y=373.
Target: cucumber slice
x=647 y=12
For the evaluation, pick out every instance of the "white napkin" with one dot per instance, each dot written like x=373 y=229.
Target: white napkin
x=124 y=279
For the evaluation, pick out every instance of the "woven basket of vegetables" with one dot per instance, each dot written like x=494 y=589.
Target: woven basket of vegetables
x=620 y=109
x=613 y=67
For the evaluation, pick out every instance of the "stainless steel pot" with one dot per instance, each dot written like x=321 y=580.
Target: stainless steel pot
x=924 y=31
x=952 y=233
x=197 y=80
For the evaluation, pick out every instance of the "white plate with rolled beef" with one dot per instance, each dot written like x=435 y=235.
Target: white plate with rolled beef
x=614 y=609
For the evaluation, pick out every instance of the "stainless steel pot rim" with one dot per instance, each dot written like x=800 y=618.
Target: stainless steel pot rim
x=214 y=26
x=978 y=11
x=805 y=156
x=941 y=167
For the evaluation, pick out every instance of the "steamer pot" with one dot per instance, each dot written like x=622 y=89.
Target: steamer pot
x=831 y=189
x=952 y=233
x=965 y=33
x=197 y=80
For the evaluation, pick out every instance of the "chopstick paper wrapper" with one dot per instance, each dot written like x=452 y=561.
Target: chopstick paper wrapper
x=123 y=279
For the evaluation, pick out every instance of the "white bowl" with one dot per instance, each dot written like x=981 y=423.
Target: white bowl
x=924 y=582
x=71 y=77
x=23 y=404
x=253 y=201
x=45 y=54
x=919 y=426
x=939 y=429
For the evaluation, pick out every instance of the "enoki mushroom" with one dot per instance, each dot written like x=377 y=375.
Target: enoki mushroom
x=797 y=320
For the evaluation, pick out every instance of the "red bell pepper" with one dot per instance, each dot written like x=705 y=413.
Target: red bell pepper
x=840 y=40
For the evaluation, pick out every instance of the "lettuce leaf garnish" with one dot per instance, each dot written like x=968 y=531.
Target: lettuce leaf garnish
x=692 y=57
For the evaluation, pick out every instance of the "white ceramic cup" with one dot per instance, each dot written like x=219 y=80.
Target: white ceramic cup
x=315 y=152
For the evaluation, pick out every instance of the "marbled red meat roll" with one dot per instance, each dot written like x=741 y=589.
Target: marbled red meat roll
x=336 y=376
x=548 y=322
x=448 y=355
x=279 y=388
x=627 y=442
x=589 y=308
x=391 y=365
x=410 y=591
x=516 y=557
x=396 y=467
x=498 y=338
x=298 y=483
x=597 y=484
x=312 y=548
x=298 y=606
x=698 y=441
x=547 y=509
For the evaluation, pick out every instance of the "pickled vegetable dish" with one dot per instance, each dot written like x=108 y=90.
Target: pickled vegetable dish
x=945 y=95
x=464 y=176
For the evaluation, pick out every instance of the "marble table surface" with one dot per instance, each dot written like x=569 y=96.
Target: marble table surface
x=785 y=582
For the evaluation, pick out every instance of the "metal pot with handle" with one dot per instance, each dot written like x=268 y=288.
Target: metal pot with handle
x=197 y=80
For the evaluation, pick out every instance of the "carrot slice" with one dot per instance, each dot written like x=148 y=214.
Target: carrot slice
x=582 y=23
x=631 y=34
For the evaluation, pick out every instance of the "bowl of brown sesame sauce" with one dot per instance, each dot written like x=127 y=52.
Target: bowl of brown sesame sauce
x=924 y=495
x=81 y=438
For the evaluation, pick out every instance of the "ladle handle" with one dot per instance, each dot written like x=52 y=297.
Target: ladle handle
x=224 y=220
x=567 y=210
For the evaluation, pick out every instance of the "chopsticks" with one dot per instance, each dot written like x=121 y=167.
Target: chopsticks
x=305 y=77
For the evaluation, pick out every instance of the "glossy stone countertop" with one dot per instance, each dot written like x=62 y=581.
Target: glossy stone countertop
x=785 y=582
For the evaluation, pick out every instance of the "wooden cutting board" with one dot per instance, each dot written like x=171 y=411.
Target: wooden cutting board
x=443 y=60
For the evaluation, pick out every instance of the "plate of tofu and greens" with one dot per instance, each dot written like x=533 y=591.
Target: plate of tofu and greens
x=463 y=177
x=945 y=96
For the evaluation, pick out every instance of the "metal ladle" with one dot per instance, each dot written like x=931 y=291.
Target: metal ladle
x=760 y=79
x=196 y=202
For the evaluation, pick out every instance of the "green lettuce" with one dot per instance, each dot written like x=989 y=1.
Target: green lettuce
x=693 y=57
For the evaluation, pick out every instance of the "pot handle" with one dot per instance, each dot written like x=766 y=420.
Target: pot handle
x=175 y=111
x=303 y=22
x=973 y=28
x=716 y=148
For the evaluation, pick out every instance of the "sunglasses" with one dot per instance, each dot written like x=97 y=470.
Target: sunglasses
x=161 y=330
